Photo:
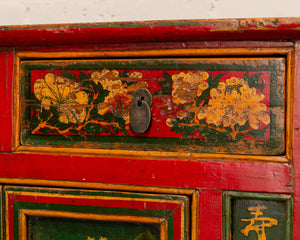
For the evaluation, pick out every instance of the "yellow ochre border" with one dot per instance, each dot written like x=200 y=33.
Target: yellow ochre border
x=192 y=211
x=286 y=52
x=24 y=213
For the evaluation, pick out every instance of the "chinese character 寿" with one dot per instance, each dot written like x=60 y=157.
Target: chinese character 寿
x=258 y=224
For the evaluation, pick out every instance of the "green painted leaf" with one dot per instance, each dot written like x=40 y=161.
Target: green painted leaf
x=239 y=136
x=259 y=133
x=93 y=128
x=210 y=79
x=166 y=83
x=35 y=121
x=96 y=86
x=124 y=74
x=212 y=83
x=245 y=126
x=177 y=129
x=62 y=126
x=94 y=113
x=121 y=122
x=45 y=130
x=213 y=134
x=215 y=81
x=115 y=129
x=124 y=132
x=44 y=114
x=189 y=131
x=53 y=120
x=67 y=75
x=75 y=77
x=56 y=131
x=246 y=77
x=254 y=81
x=74 y=131
x=108 y=117
x=203 y=97
x=228 y=129
x=236 y=126
x=82 y=76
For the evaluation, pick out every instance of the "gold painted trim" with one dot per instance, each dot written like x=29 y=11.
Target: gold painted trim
x=16 y=104
x=161 y=155
x=65 y=195
x=7 y=222
x=153 y=53
x=94 y=185
x=89 y=216
x=164 y=230
x=194 y=52
x=180 y=203
x=195 y=216
x=289 y=96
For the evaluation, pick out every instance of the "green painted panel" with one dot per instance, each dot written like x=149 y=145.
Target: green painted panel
x=72 y=229
x=199 y=105
x=258 y=219
x=257 y=216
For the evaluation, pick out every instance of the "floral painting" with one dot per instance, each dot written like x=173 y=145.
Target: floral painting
x=97 y=104
x=213 y=102
x=229 y=110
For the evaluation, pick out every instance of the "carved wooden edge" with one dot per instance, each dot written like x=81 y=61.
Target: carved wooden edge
x=151 y=31
x=88 y=216
x=192 y=194
x=192 y=205
x=286 y=52
x=136 y=219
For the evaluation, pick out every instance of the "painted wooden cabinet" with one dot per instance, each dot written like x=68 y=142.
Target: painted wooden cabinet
x=150 y=130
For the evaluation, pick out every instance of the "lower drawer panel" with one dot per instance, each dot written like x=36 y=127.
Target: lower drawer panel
x=39 y=213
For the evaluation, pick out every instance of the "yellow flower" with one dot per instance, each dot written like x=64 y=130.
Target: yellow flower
x=52 y=89
x=74 y=109
x=118 y=98
x=187 y=86
x=234 y=102
x=110 y=81
x=66 y=96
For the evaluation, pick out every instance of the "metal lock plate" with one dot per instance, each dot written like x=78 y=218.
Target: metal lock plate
x=140 y=110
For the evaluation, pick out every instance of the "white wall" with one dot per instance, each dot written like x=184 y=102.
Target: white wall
x=15 y=12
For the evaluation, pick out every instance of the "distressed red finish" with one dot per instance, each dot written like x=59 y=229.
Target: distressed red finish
x=242 y=176
x=196 y=30
x=296 y=151
x=210 y=216
x=6 y=84
x=211 y=177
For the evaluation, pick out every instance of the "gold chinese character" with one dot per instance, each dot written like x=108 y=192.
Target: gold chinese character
x=101 y=238
x=258 y=224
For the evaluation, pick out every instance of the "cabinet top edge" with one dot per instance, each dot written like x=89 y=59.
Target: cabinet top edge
x=279 y=29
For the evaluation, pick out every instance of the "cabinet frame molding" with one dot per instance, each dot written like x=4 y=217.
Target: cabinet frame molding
x=286 y=52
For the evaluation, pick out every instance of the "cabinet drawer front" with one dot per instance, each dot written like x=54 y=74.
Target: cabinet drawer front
x=257 y=216
x=36 y=213
x=224 y=105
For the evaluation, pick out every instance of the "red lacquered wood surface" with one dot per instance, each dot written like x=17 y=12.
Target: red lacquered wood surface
x=241 y=176
x=6 y=86
x=152 y=31
x=210 y=214
x=212 y=177
x=296 y=150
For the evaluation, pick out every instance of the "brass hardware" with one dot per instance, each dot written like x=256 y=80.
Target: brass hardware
x=140 y=110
